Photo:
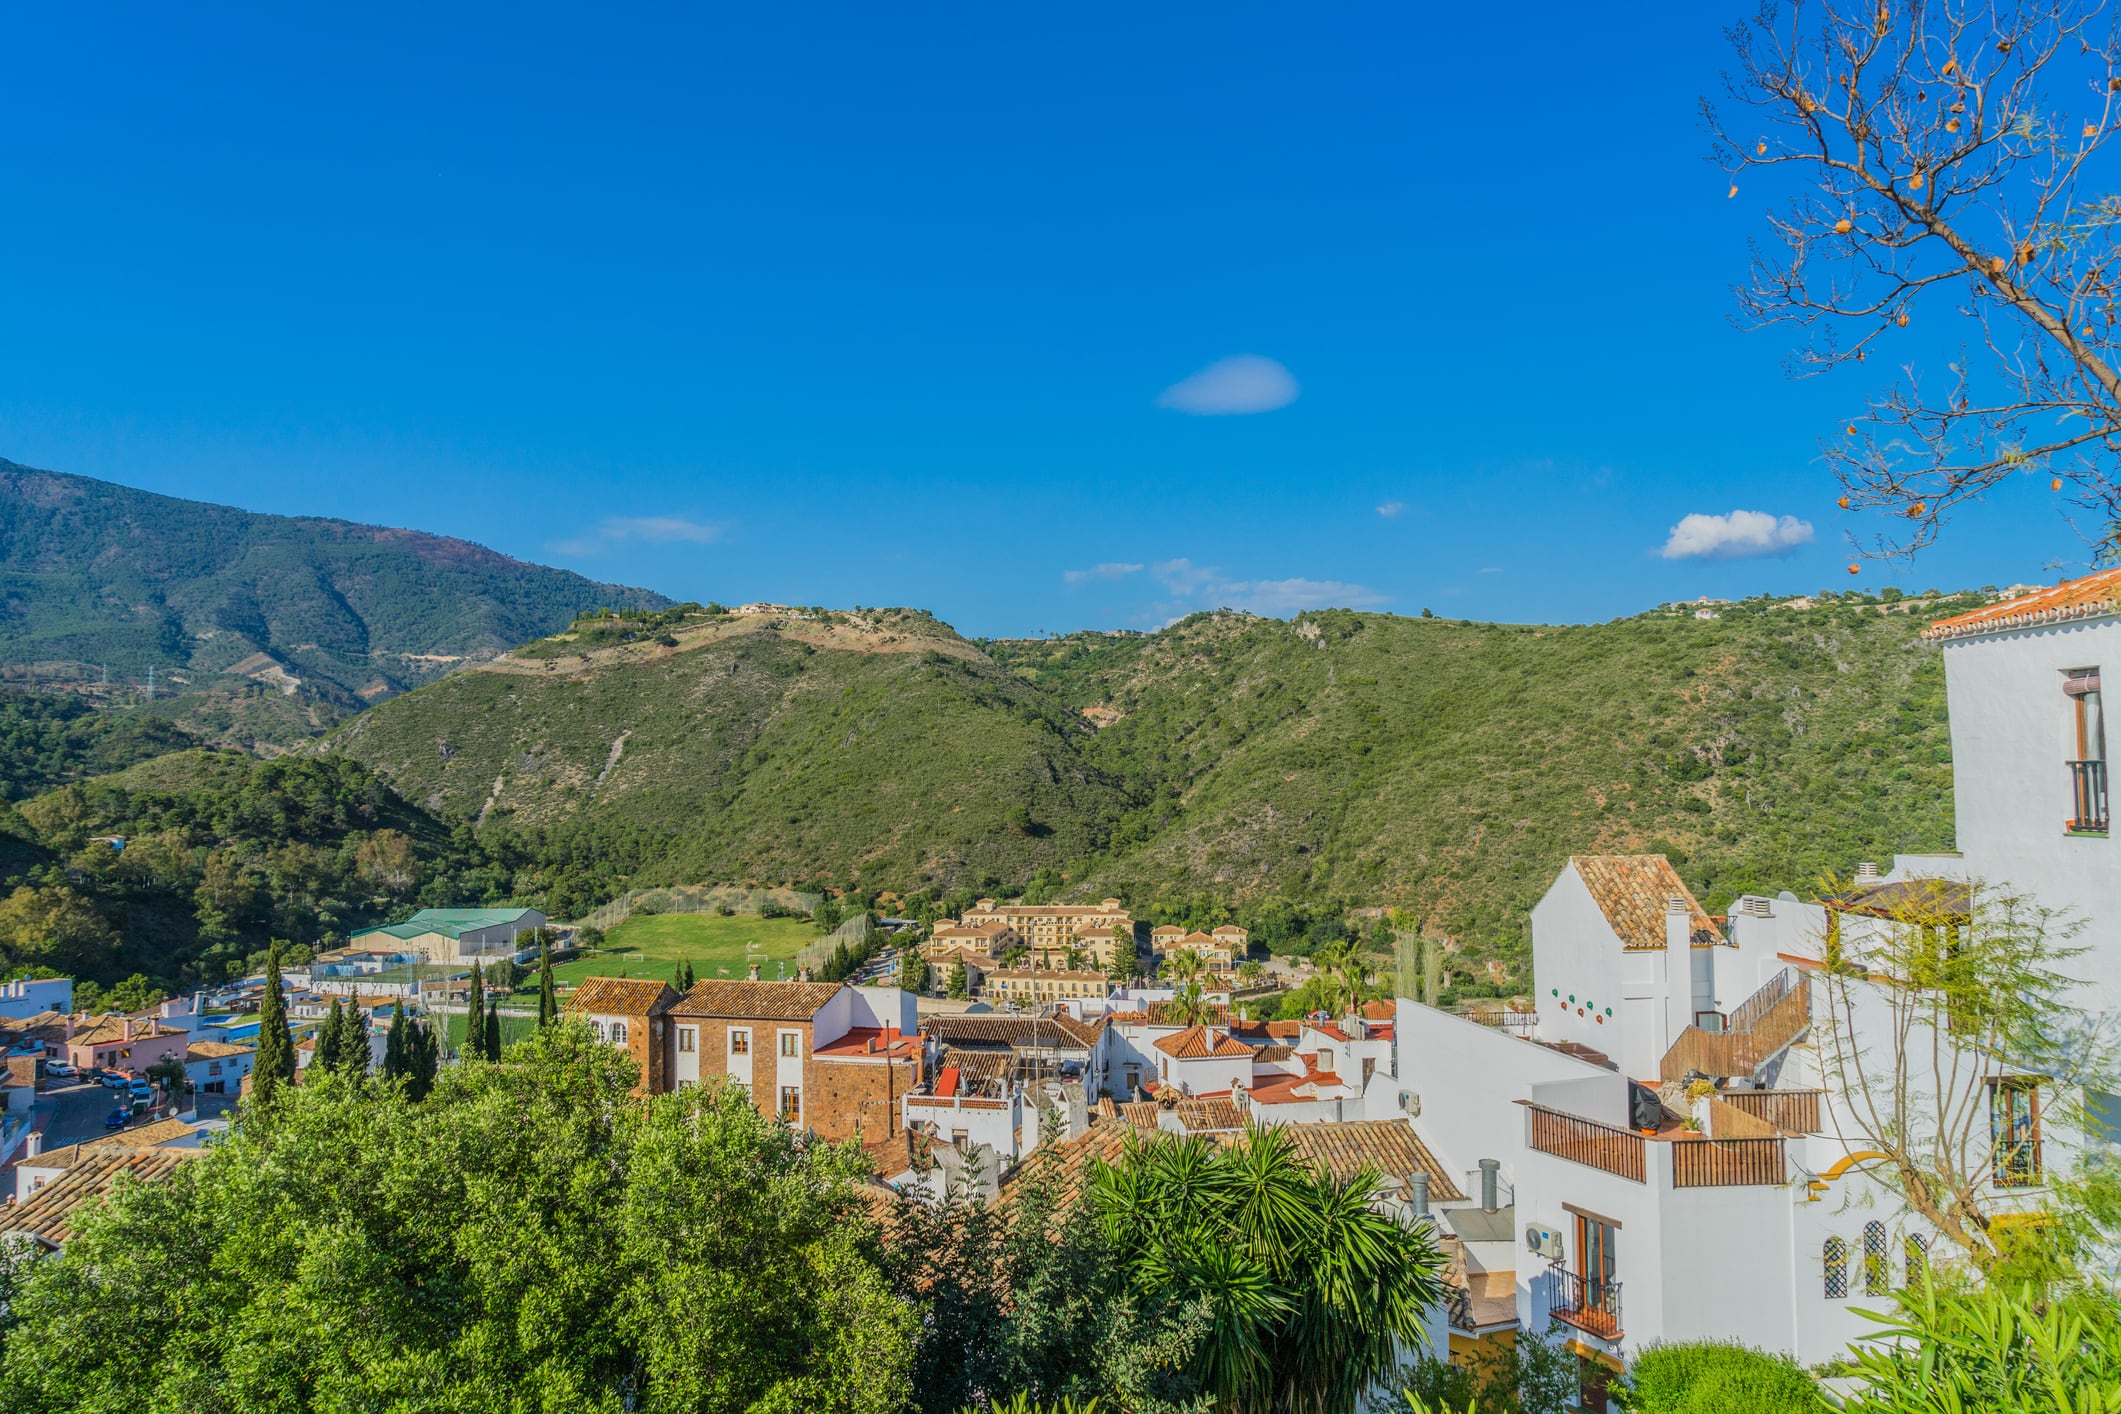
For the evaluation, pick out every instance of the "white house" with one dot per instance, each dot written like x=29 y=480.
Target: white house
x=218 y=1067
x=27 y=997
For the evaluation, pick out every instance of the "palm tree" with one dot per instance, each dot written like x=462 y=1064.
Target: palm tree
x=1310 y=1291
x=1184 y=965
x=1190 y=1006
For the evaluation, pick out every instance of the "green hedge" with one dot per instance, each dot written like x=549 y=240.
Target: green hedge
x=1714 y=1377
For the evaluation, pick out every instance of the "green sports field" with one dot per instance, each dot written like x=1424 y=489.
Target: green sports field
x=653 y=946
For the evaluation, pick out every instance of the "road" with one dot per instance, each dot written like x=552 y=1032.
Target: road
x=65 y=1115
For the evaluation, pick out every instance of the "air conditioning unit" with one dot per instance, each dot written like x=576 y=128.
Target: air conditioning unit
x=1543 y=1241
x=1410 y=1104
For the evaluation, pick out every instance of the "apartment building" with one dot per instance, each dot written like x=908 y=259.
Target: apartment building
x=631 y=1013
x=1034 y=986
x=1220 y=948
x=1052 y=924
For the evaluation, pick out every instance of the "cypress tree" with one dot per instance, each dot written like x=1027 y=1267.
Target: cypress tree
x=475 y=1015
x=353 y=1042
x=493 y=1032
x=548 y=1005
x=274 y=1066
x=685 y=977
x=423 y=1059
x=395 y=1057
x=328 y=1058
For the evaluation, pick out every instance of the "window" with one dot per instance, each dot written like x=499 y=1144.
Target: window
x=1877 y=1280
x=1836 y=1254
x=791 y=1043
x=618 y=1033
x=2087 y=745
x=791 y=1104
x=739 y=1042
x=1916 y=1248
x=2014 y=1131
x=687 y=1035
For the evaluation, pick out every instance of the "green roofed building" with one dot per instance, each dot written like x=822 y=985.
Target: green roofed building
x=458 y=934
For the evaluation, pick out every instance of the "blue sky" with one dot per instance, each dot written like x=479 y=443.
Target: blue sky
x=899 y=305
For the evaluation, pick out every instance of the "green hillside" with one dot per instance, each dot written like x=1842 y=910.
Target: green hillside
x=877 y=748
x=1452 y=767
x=254 y=619
x=1226 y=764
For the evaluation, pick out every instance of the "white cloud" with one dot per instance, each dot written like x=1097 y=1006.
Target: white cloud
x=1391 y=508
x=1239 y=384
x=656 y=530
x=1492 y=569
x=1208 y=588
x=1741 y=535
x=1109 y=570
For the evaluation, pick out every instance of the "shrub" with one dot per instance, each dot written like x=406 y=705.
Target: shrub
x=1710 y=1376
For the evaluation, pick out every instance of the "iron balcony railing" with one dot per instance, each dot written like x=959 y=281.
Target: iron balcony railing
x=2087 y=789
x=2017 y=1164
x=1591 y=1304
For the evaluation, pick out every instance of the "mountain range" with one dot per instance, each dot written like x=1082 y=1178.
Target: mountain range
x=1225 y=766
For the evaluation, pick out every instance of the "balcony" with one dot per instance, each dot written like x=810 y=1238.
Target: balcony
x=1728 y=1163
x=1791 y=1111
x=2017 y=1164
x=2087 y=793
x=1586 y=1141
x=1591 y=1304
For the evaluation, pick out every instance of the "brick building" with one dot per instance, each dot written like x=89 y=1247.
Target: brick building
x=822 y=1056
x=632 y=1014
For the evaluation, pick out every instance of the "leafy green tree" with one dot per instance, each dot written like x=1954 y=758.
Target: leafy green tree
x=912 y=969
x=685 y=979
x=530 y=1237
x=1310 y=1291
x=54 y=927
x=1993 y=1349
x=1704 y=1377
x=959 y=988
x=273 y=1068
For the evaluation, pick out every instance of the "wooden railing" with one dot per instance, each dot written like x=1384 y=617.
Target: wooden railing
x=1770 y=1019
x=1586 y=1141
x=1791 y=1111
x=1727 y=1163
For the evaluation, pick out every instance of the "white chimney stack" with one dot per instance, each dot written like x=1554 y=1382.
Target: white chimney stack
x=1678 y=923
x=34 y=1145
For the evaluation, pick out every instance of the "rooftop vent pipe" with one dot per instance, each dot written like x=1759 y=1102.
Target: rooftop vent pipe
x=1490 y=1170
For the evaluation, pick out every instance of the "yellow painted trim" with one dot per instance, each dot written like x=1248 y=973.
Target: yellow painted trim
x=1599 y=1357
x=1848 y=1161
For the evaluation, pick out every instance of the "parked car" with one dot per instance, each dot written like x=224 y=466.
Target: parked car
x=117 y=1119
x=141 y=1090
x=60 y=1069
x=116 y=1081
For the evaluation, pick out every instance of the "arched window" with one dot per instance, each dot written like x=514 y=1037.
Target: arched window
x=1917 y=1248
x=1837 y=1269
x=618 y=1033
x=1877 y=1276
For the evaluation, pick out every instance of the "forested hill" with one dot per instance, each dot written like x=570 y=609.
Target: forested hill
x=1227 y=762
x=95 y=574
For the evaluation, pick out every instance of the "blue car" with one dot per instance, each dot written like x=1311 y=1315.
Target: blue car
x=117 y=1119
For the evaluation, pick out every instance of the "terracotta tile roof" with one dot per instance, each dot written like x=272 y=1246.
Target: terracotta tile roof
x=146 y=1139
x=1380 y=1011
x=216 y=1050
x=1329 y=1030
x=47 y=1027
x=1071 y=1164
x=107 y=1030
x=757 y=1001
x=622 y=996
x=49 y=1213
x=1023 y=1033
x=1199 y=1114
x=977 y=1068
x=1908 y=898
x=2084 y=598
x=1261 y=1032
x=1274 y=1053
x=1200 y=1043
x=1631 y=890
x=1169 y=1014
x=1387 y=1146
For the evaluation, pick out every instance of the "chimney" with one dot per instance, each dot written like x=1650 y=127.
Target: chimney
x=869 y=1046
x=1678 y=922
x=1490 y=1171
x=126 y=1029
x=753 y=974
x=34 y=1145
x=1418 y=1182
x=802 y=974
x=1867 y=872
